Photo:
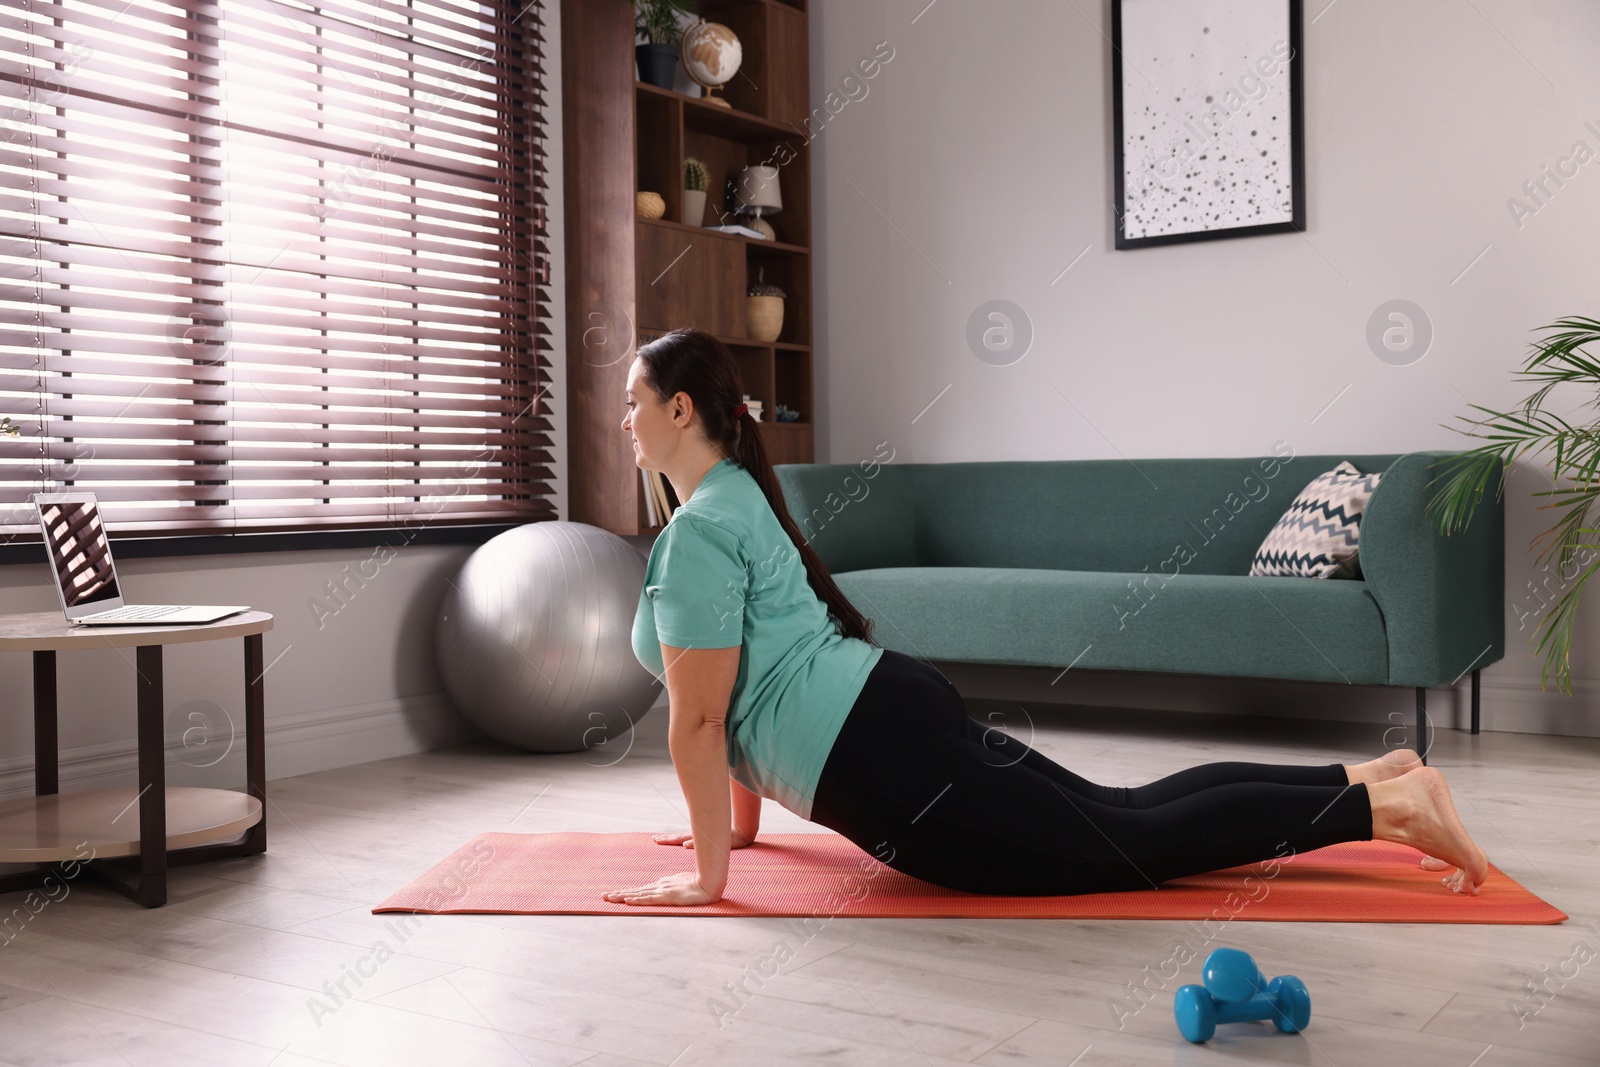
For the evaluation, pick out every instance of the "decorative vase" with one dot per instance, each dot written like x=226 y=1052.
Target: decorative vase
x=764 y=317
x=658 y=64
x=694 y=206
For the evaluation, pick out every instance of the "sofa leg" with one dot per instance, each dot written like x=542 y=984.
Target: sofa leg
x=1475 y=700
x=1422 y=724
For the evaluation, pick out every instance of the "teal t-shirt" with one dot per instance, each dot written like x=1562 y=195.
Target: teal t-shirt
x=723 y=573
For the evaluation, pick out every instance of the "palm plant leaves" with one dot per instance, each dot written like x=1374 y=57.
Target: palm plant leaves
x=658 y=20
x=1558 y=358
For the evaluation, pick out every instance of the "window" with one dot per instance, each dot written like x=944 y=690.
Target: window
x=273 y=266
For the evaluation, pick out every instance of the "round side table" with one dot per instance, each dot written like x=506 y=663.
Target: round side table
x=186 y=826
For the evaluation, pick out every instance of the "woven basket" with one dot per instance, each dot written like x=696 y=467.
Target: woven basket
x=649 y=205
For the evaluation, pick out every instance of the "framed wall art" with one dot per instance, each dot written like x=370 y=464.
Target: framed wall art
x=1207 y=111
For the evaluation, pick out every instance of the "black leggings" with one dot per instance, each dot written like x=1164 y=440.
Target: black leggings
x=933 y=793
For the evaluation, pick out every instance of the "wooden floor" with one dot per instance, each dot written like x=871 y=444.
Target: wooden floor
x=233 y=970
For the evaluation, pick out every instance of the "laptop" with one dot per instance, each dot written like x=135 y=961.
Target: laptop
x=85 y=578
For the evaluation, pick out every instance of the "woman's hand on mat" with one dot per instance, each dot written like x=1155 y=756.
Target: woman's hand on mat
x=682 y=888
x=738 y=840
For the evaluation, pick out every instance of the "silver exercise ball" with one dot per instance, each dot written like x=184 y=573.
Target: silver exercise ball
x=534 y=639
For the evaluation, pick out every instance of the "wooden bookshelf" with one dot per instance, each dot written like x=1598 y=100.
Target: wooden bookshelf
x=630 y=280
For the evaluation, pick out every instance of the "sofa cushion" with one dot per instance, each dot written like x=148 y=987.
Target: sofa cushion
x=1189 y=623
x=1100 y=515
x=856 y=516
x=1319 y=536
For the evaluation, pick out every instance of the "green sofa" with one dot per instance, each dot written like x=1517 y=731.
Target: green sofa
x=1082 y=564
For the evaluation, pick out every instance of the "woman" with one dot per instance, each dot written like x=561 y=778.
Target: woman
x=777 y=689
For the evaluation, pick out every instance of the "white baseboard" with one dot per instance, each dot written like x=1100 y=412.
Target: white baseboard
x=1517 y=705
x=296 y=742
x=322 y=740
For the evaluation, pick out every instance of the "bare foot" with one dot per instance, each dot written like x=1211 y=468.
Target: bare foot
x=1385 y=768
x=1428 y=863
x=1388 y=767
x=1415 y=809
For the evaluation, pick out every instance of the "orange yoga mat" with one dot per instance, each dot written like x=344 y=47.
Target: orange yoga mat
x=823 y=875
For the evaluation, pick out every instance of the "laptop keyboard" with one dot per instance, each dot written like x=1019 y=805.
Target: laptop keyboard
x=138 y=611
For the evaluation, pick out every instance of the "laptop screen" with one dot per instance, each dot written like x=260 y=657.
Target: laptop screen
x=79 y=552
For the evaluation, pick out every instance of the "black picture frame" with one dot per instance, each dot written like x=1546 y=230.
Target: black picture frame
x=1294 y=66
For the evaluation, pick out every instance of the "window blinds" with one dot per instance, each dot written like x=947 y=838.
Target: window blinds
x=270 y=266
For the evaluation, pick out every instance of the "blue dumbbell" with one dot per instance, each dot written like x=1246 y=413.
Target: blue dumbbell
x=1235 y=992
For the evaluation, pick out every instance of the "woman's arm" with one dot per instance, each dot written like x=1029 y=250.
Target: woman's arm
x=746 y=814
x=699 y=689
x=746 y=819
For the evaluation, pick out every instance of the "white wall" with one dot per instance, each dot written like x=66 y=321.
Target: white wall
x=978 y=166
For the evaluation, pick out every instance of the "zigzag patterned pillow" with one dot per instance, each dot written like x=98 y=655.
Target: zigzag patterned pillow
x=1319 y=536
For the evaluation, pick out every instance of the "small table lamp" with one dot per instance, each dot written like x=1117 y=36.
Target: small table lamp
x=757 y=194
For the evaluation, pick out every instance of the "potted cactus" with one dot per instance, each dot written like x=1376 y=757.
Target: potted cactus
x=764 y=310
x=696 y=177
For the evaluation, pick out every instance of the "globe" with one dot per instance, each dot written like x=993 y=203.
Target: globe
x=711 y=55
